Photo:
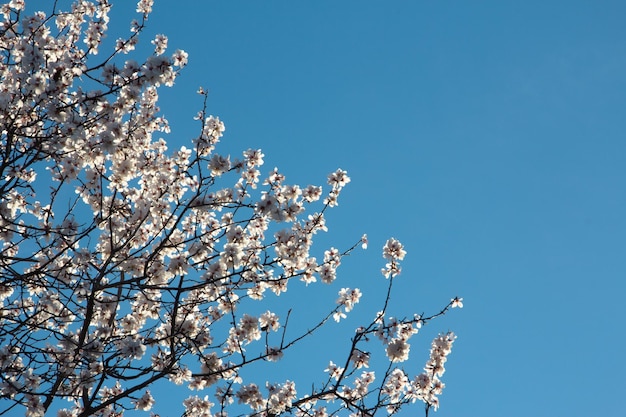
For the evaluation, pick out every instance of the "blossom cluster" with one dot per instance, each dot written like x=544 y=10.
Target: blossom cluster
x=124 y=262
x=429 y=386
x=347 y=298
x=393 y=251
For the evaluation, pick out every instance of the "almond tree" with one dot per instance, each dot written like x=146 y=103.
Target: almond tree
x=124 y=263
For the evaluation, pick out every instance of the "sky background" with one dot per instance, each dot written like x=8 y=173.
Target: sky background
x=486 y=136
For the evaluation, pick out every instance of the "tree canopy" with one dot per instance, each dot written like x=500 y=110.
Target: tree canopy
x=124 y=262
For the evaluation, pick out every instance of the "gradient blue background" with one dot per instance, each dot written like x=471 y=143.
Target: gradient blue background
x=487 y=136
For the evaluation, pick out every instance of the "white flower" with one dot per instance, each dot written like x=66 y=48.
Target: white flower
x=334 y=371
x=219 y=164
x=144 y=403
x=364 y=241
x=338 y=315
x=348 y=298
x=312 y=193
x=328 y=273
x=338 y=178
x=250 y=394
x=398 y=350
x=269 y=320
x=160 y=44
x=360 y=359
x=180 y=58
x=197 y=407
x=144 y=6
x=393 y=250
x=457 y=302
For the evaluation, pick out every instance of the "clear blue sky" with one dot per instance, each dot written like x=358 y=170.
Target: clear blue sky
x=489 y=137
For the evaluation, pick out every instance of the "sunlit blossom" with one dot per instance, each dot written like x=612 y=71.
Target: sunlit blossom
x=129 y=259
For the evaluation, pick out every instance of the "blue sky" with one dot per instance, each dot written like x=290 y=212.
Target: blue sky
x=487 y=136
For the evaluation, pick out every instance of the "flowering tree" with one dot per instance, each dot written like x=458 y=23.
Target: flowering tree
x=124 y=263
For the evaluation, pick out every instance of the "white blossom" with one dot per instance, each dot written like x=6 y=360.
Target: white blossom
x=145 y=402
x=129 y=259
